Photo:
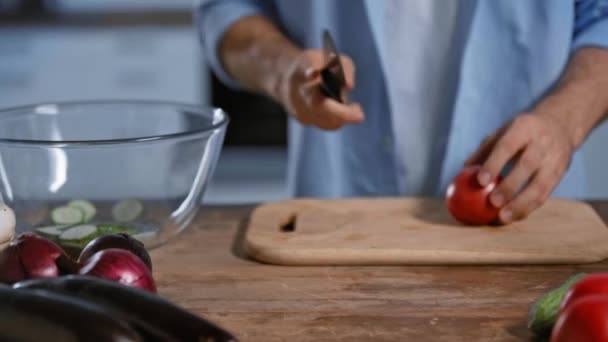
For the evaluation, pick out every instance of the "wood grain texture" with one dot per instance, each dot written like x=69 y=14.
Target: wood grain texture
x=205 y=271
x=401 y=231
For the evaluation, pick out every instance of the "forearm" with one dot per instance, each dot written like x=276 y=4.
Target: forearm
x=580 y=101
x=255 y=52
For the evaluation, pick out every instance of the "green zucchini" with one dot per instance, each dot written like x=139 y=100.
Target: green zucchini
x=544 y=311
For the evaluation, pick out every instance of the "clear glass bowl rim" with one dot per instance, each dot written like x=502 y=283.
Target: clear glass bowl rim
x=199 y=109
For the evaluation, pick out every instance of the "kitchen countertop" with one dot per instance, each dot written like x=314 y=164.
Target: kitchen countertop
x=205 y=271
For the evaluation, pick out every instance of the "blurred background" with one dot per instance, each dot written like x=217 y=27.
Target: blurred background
x=57 y=50
x=138 y=49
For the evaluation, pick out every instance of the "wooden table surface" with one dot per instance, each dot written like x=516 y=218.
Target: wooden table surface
x=205 y=271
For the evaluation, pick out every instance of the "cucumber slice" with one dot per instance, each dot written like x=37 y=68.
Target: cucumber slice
x=79 y=233
x=104 y=229
x=87 y=208
x=52 y=232
x=143 y=236
x=127 y=210
x=67 y=215
x=78 y=237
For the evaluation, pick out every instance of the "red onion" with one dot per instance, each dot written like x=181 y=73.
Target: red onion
x=120 y=266
x=31 y=256
x=120 y=241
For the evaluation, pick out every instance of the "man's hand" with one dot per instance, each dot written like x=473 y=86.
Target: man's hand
x=299 y=91
x=540 y=150
x=539 y=145
x=264 y=61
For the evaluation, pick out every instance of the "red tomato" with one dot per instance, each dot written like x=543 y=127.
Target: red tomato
x=468 y=202
x=592 y=284
x=585 y=320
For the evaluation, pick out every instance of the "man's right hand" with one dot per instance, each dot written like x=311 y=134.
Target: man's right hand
x=257 y=54
x=299 y=91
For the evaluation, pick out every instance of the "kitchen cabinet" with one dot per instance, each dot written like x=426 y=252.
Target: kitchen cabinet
x=39 y=64
x=121 y=5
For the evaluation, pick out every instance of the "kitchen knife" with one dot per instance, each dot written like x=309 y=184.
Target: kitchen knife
x=332 y=75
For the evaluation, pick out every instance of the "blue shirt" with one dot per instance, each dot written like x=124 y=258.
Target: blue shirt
x=512 y=53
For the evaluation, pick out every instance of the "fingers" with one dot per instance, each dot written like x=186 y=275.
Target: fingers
x=327 y=113
x=482 y=152
x=313 y=70
x=306 y=101
x=532 y=197
x=349 y=71
x=539 y=152
x=332 y=120
x=311 y=73
x=524 y=169
x=506 y=148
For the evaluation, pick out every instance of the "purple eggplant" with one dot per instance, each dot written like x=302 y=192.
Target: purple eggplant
x=38 y=315
x=147 y=312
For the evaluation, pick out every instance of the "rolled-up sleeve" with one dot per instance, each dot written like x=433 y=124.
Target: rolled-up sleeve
x=591 y=24
x=213 y=17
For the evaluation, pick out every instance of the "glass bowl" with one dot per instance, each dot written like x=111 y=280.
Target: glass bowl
x=142 y=165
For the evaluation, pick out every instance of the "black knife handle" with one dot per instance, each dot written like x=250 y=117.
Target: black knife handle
x=330 y=85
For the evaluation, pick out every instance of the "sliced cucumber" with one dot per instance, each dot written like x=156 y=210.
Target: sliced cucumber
x=67 y=215
x=79 y=236
x=86 y=207
x=127 y=210
x=143 y=236
x=114 y=229
x=79 y=233
x=50 y=231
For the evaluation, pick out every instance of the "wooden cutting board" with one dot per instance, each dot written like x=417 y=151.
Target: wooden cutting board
x=415 y=231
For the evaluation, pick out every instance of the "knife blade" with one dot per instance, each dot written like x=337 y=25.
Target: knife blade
x=332 y=75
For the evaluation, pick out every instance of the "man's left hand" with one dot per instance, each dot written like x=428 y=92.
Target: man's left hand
x=540 y=149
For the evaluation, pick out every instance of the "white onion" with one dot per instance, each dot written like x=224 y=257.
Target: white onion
x=7 y=223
